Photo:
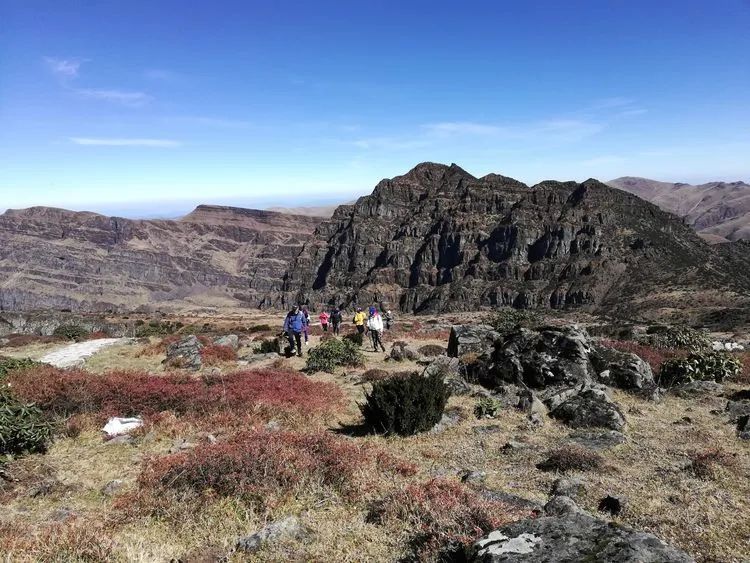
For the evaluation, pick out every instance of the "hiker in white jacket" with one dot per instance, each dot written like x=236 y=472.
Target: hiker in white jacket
x=375 y=324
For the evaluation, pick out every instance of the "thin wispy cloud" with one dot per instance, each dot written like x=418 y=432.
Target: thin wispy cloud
x=127 y=98
x=64 y=68
x=218 y=122
x=67 y=70
x=108 y=142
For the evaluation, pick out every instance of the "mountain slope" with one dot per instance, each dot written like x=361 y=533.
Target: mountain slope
x=718 y=210
x=52 y=258
x=439 y=239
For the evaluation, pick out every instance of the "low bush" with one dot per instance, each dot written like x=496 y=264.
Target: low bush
x=487 y=407
x=156 y=328
x=652 y=355
x=65 y=542
x=127 y=393
x=266 y=346
x=405 y=405
x=333 y=353
x=23 y=428
x=259 y=328
x=678 y=337
x=215 y=354
x=21 y=340
x=265 y=467
x=71 y=332
x=571 y=458
x=704 y=463
x=744 y=377
x=356 y=337
x=444 y=516
x=506 y=321
x=431 y=350
x=700 y=366
x=10 y=364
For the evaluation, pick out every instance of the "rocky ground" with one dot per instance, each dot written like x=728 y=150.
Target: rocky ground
x=594 y=451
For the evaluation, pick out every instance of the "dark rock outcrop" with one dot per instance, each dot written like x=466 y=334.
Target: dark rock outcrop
x=185 y=353
x=439 y=239
x=589 y=407
x=567 y=534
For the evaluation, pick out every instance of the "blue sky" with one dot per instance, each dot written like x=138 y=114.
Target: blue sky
x=155 y=106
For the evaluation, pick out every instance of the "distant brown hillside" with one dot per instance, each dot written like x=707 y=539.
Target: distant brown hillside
x=719 y=211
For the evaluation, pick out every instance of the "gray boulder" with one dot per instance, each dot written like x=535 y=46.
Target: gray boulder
x=588 y=407
x=401 y=351
x=697 y=388
x=288 y=528
x=478 y=339
x=738 y=405
x=571 y=487
x=230 y=340
x=569 y=536
x=623 y=370
x=743 y=427
x=185 y=353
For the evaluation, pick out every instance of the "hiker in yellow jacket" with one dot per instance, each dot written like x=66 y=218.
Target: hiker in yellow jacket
x=359 y=320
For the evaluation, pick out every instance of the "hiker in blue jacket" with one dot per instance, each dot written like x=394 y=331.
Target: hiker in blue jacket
x=294 y=324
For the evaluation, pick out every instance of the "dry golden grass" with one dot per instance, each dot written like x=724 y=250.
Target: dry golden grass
x=707 y=516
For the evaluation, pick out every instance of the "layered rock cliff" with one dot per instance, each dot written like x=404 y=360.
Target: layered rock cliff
x=52 y=258
x=439 y=239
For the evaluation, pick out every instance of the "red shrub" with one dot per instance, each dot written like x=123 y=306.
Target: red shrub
x=68 y=541
x=124 y=393
x=215 y=354
x=20 y=340
x=443 y=515
x=744 y=377
x=160 y=347
x=654 y=357
x=264 y=467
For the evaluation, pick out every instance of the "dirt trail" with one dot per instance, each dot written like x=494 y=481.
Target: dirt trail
x=76 y=354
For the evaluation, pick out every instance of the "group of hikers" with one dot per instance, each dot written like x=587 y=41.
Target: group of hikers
x=297 y=325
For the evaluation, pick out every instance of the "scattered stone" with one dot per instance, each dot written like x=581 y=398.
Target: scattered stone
x=743 y=427
x=684 y=421
x=112 y=488
x=561 y=505
x=273 y=425
x=180 y=445
x=401 y=351
x=697 y=389
x=487 y=429
x=448 y=420
x=512 y=501
x=589 y=407
x=514 y=447
x=62 y=514
x=185 y=353
x=597 y=439
x=612 y=505
x=122 y=439
x=44 y=488
x=230 y=340
x=288 y=528
x=571 y=487
x=255 y=358
x=573 y=536
x=478 y=339
x=469 y=476
x=535 y=421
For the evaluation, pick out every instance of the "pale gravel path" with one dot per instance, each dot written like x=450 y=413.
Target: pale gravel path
x=76 y=354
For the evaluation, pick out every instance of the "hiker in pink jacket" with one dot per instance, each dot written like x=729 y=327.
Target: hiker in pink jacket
x=324 y=317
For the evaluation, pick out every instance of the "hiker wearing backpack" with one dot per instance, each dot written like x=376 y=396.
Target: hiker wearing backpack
x=388 y=320
x=306 y=328
x=359 y=320
x=375 y=324
x=294 y=323
x=336 y=320
x=324 y=317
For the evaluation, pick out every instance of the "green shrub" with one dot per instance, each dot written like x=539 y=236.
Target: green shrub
x=157 y=328
x=267 y=346
x=407 y=405
x=330 y=354
x=677 y=337
x=9 y=364
x=259 y=328
x=23 y=428
x=355 y=338
x=699 y=366
x=506 y=321
x=487 y=407
x=71 y=332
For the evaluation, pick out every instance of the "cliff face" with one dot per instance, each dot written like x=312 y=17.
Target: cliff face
x=438 y=239
x=52 y=258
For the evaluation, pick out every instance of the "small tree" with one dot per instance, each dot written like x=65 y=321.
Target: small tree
x=702 y=366
x=405 y=406
x=23 y=428
x=333 y=353
x=71 y=332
